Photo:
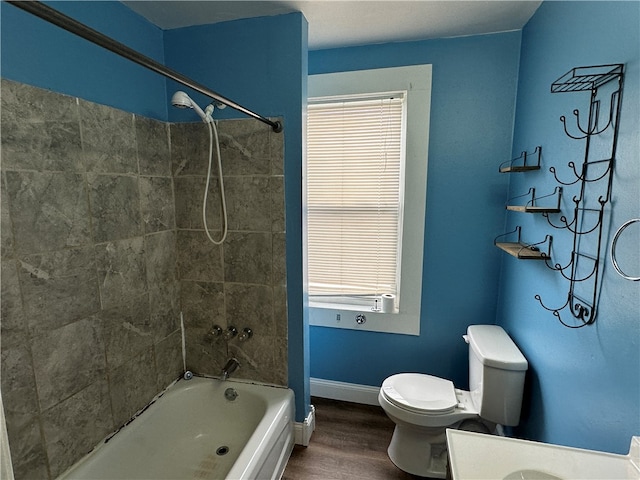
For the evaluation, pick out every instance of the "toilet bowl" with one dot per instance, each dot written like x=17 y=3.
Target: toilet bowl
x=424 y=406
x=425 y=400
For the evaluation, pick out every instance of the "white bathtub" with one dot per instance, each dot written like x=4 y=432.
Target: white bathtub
x=193 y=432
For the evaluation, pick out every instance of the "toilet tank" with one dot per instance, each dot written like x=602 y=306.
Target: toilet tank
x=496 y=374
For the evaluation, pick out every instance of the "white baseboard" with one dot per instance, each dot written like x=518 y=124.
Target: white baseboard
x=346 y=392
x=302 y=430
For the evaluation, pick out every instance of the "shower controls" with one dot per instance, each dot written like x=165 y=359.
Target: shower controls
x=230 y=333
x=360 y=318
x=245 y=335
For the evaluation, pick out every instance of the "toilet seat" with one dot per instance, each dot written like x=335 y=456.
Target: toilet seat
x=420 y=393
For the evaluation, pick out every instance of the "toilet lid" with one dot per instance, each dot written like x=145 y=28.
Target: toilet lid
x=420 y=393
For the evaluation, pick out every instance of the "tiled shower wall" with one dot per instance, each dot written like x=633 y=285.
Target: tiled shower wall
x=242 y=282
x=92 y=269
x=90 y=312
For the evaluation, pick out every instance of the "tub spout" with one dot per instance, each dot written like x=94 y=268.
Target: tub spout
x=231 y=366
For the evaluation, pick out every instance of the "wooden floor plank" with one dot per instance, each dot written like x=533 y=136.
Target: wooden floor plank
x=349 y=443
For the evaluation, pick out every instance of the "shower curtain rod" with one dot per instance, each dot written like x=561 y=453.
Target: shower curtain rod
x=69 y=24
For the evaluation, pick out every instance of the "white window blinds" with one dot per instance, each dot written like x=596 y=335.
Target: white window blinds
x=355 y=161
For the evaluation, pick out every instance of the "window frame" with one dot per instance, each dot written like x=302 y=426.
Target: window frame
x=416 y=81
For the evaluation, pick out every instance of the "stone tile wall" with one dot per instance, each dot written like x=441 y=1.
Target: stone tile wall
x=99 y=256
x=90 y=294
x=242 y=282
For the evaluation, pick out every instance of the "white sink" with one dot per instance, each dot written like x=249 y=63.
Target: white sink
x=480 y=456
x=530 y=475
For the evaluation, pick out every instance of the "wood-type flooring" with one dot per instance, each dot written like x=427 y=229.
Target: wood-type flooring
x=349 y=443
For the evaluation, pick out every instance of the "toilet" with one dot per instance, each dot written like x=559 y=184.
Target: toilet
x=424 y=406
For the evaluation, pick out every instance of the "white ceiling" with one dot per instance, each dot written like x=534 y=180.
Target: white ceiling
x=339 y=23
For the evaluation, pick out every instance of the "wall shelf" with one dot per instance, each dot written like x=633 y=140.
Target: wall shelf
x=531 y=206
x=519 y=168
x=532 y=209
x=519 y=164
x=524 y=251
x=582 y=79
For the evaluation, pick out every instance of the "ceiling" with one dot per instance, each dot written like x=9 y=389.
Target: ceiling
x=340 y=23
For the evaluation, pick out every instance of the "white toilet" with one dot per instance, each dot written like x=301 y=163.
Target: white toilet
x=423 y=406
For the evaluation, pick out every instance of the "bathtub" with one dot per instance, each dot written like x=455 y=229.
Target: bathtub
x=196 y=431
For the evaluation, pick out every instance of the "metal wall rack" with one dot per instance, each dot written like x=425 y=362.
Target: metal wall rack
x=592 y=179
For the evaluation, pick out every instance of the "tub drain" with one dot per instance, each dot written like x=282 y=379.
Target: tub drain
x=222 y=450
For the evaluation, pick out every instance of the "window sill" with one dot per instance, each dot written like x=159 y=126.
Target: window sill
x=348 y=307
x=344 y=316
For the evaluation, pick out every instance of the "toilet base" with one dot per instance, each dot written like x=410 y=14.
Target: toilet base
x=418 y=453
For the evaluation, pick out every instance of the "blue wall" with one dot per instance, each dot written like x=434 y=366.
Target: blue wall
x=250 y=61
x=584 y=385
x=472 y=110
x=40 y=54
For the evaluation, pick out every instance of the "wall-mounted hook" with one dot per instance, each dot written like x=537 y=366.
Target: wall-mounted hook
x=570 y=164
x=594 y=115
x=581 y=311
x=245 y=335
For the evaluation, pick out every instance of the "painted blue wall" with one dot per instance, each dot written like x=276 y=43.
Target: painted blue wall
x=472 y=110
x=260 y=63
x=43 y=55
x=583 y=385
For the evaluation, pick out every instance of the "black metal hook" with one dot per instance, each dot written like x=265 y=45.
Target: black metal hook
x=583 y=178
x=553 y=170
x=558 y=267
x=580 y=312
x=595 y=110
x=563 y=219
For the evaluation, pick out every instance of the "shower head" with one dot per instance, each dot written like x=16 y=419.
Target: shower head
x=182 y=100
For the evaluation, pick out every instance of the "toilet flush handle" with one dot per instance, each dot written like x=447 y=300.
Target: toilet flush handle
x=466 y=338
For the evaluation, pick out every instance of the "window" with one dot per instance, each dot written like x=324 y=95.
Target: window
x=364 y=211
x=355 y=167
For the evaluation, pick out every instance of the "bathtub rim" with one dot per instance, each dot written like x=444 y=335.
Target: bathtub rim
x=287 y=402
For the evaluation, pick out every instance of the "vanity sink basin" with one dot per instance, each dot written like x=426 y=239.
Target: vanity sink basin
x=530 y=475
x=481 y=456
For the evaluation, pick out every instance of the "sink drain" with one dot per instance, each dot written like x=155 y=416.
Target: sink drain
x=222 y=450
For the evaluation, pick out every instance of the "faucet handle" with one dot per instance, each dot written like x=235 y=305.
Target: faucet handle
x=246 y=334
x=216 y=331
x=230 y=333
